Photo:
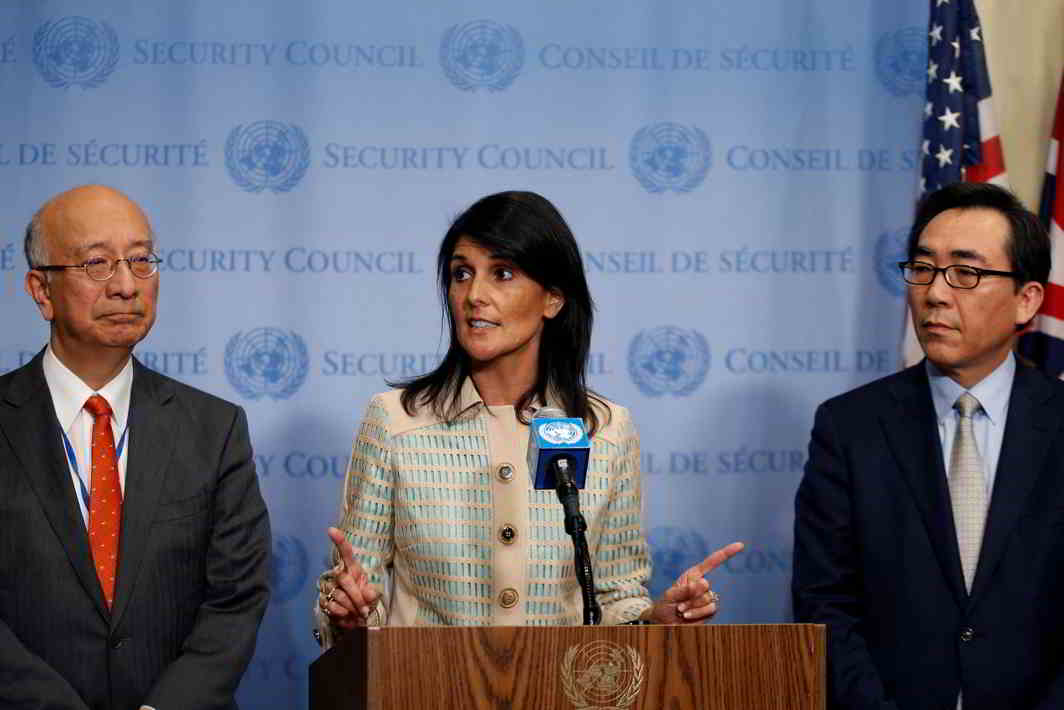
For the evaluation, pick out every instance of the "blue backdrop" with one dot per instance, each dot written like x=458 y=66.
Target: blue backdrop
x=740 y=177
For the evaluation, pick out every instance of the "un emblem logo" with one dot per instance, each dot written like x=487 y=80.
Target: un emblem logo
x=891 y=247
x=668 y=156
x=267 y=155
x=601 y=675
x=75 y=51
x=482 y=54
x=289 y=566
x=668 y=360
x=901 y=61
x=266 y=362
x=673 y=550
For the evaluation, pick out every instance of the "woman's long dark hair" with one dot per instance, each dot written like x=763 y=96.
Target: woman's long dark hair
x=525 y=229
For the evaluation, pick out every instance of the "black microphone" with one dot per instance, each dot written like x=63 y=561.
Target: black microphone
x=562 y=467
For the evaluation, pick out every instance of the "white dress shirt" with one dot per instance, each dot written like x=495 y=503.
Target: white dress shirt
x=69 y=394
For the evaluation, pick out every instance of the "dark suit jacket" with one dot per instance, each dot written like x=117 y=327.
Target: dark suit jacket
x=195 y=540
x=876 y=557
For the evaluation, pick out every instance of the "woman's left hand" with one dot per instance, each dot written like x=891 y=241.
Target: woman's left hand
x=690 y=600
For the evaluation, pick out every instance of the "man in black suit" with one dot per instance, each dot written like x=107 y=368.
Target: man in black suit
x=929 y=529
x=163 y=611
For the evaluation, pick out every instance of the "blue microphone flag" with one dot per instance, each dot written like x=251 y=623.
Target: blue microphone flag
x=550 y=437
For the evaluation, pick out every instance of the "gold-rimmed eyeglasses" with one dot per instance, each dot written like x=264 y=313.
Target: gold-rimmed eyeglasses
x=100 y=269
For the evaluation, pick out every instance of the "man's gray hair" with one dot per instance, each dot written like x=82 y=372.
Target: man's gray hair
x=33 y=245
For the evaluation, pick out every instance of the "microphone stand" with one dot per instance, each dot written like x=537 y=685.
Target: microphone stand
x=576 y=526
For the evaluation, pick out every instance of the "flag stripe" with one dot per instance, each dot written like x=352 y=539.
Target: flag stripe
x=993 y=165
x=1053 y=305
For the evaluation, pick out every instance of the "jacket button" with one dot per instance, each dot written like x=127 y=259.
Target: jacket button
x=118 y=643
x=967 y=635
x=507 y=533
x=506 y=473
x=508 y=598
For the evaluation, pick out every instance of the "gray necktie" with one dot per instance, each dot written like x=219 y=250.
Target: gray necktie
x=967 y=488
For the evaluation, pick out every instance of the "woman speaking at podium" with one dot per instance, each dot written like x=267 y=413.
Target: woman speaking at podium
x=441 y=523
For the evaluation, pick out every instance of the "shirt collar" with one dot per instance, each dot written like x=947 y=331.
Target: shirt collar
x=993 y=391
x=469 y=397
x=69 y=392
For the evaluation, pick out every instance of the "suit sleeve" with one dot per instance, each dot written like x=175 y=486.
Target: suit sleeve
x=216 y=653
x=826 y=578
x=28 y=683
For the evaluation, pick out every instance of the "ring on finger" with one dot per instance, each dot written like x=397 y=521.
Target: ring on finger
x=714 y=598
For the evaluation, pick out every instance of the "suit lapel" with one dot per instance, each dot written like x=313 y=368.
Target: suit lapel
x=912 y=433
x=1029 y=429
x=28 y=421
x=150 y=448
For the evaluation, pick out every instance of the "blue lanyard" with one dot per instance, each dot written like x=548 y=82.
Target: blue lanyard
x=72 y=458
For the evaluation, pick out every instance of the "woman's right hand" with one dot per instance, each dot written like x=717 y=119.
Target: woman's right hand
x=351 y=598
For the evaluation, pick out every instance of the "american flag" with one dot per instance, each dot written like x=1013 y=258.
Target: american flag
x=960 y=140
x=1045 y=343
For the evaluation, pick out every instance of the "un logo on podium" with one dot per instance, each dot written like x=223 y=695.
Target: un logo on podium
x=289 y=566
x=668 y=360
x=673 y=550
x=266 y=362
x=75 y=51
x=668 y=156
x=267 y=155
x=482 y=54
x=901 y=61
x=891 y=247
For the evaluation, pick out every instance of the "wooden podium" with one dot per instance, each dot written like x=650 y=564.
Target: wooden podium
x=705 y=667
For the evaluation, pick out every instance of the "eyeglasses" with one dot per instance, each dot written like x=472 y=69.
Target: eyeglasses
x=920 y=273
x=100 y=269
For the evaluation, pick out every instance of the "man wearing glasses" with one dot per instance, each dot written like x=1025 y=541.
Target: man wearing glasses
x=929 y=527
x=133 y=537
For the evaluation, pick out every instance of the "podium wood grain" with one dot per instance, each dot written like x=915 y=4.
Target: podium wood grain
x=712 y=667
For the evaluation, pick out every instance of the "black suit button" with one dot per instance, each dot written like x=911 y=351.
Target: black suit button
x=118 y=642
x=967 y=635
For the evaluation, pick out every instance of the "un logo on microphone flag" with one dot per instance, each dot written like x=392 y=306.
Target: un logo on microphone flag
x=75 y=51
x=668 y=360
x=667 y=156
x=267 y=155
x=266 y=362
x=482 y=54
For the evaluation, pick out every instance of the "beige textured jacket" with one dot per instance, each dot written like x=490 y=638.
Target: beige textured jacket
x=446 y=522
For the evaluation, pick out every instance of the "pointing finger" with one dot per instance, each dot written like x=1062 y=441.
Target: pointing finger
x=719 y=557
x=346 y=552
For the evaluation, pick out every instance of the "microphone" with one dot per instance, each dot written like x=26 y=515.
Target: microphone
x=558 y=449
x=552 y=435
x=561 y=466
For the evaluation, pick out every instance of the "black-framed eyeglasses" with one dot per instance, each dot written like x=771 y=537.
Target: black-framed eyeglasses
x=920 y=273
x=100 y=269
